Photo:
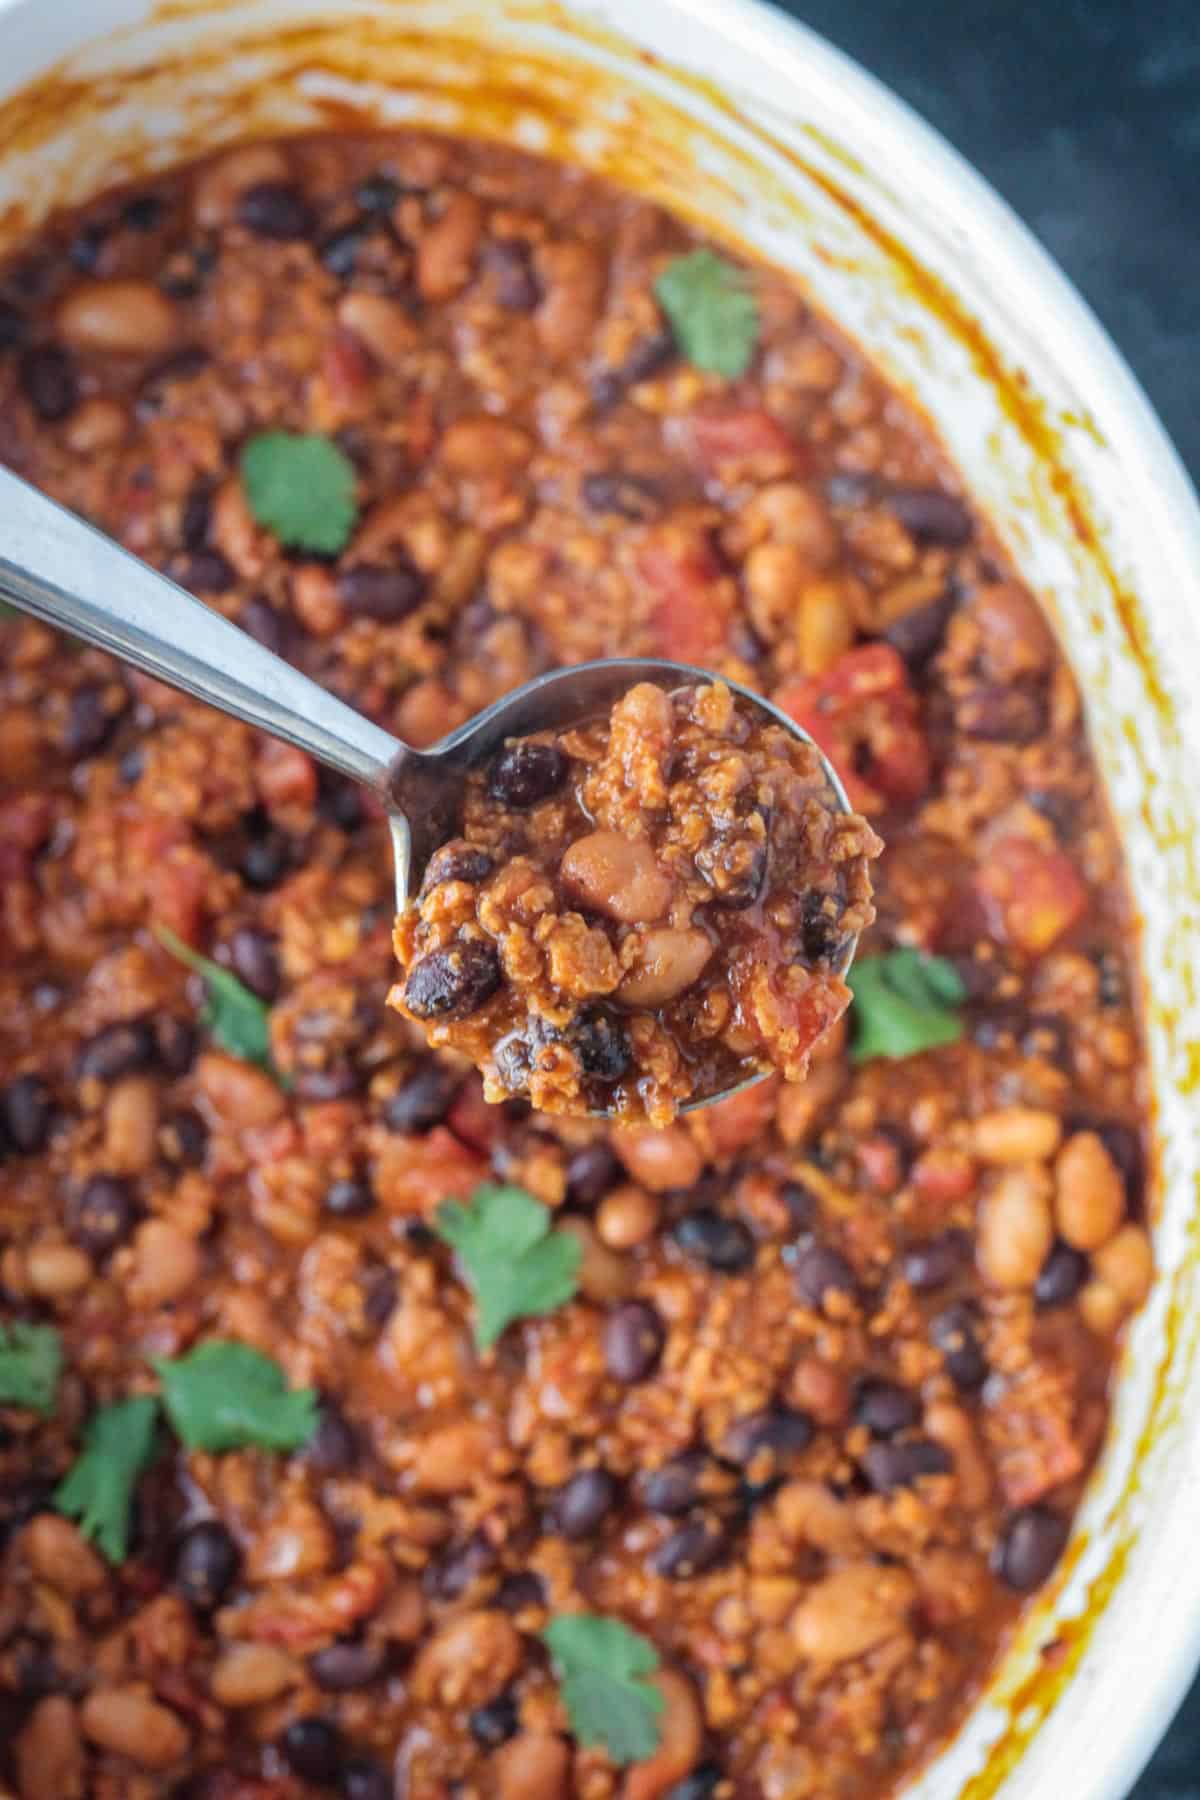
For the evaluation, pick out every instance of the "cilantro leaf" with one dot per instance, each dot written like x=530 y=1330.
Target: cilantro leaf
x=302 y=487
x=224 y=1396
x=30 y=1362
x=904 y=1002
x=711 y=310
x=118 y=1444
x=601 y=1666
x=239 y=1021
x=514 y=1264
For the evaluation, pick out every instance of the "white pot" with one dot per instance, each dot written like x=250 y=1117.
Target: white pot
x=723 y=110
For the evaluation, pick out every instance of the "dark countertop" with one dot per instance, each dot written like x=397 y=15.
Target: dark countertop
x=1086 y=116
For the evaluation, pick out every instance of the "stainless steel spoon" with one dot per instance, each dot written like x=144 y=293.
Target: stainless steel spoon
x=65 y=572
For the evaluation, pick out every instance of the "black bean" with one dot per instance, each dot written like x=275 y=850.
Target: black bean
x=629 y=496
x=675 y=1488
x=207 y=1563
x=363 y=1779
x=276 y=209
x=1060 y=1277
x=896 y=1464
x=592 y=1171
x=493 y=1724
x=521 y=1592
x=953 y=1332
x=313 y=1748
x=777 y=1431
x=933 y=1263
x=86 y=246
x=710 y=1237
x=801 y=1203
x=1030 y=1545
x=385 y=592
x=931 y=516
x=350 y=1663
x=13 y=326
x=335 y=1081
x=181 y=365
x=634 y=1335
x=1111 y=971
x=601 y=1043
x=265 y=860
x=510 y=262
x=176 y=1042
x=351 y=1198
x=1125 y=1147
x=377 y=194
x=185 y=1137
x=265 y=624
x=339 y=251
x=424 y=1099
x=886 y=1408
x=450 y=983
x=208 y=572
x=696 y=1546
x=22 y=1499
x=381 y=1290
x=339 y=801
x=581 y=1504
x=525 y=773
x=255 y=961
x=196 y=518
x=102 y=1213
x=144 y=212
x=120 y=1049
x=461 y=1567
x=48 y=381
x=819 y=1271
x=90 y=722
x=917 y=634
x=333 y=1448
x=456 y=861
x=1002 y=715
x=821 y=939
x=26 y=1109
x=701 y=1784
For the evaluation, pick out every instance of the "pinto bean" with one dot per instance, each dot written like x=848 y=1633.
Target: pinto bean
x=55 y=1271
x=468 y=1660
x=626 y=1217
x=127 y=1721
x=61 y=1556
x=680 y=1740
x=50 y=1753
x=96 y=425
x=1016 y=1134
x=131 y=1125
x=1016 y=1228
x=603 y=1275
x=251 y=1674
x=446 y=252
x=612 y=875
x=166 y=1263
x=383 y=325
x=851 y=1611
x=824 y=626
x=239 y=1094
x=1089 y=1194
x=668 y=962
x=572 y=276
x=1126 y=1265
x=482 y=446
x=450 y=1459
x=123 y=318
x=659 y=1158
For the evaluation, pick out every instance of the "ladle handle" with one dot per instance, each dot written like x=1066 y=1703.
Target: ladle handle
x=63 y=571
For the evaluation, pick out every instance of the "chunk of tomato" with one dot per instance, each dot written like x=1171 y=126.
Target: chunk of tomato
x=864 y=715
x=1031 y=896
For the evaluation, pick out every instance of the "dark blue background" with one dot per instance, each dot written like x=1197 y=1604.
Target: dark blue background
x=1085 y=114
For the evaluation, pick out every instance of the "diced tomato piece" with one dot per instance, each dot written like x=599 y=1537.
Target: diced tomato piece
x=25 y=821
x=285 y=776
x=741 y=443
x=473 y=1119
x=177 y=890
x=737 y=1121
x=1031 y=1433
x=413 y=1175
x=1031 y=896
x=864 y=715
x=690 y=615
x=346 y=366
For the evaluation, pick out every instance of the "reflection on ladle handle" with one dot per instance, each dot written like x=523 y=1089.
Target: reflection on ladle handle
x=63 y=571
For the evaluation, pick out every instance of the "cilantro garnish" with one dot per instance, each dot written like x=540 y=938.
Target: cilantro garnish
x=514 y=1263
x=302 y=487
x=118 y=1444
x=225 y=1396
x=602 y=1667
x=30 y=1361
x=711 y=310
x=239 y=1021
x=904 y=1002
